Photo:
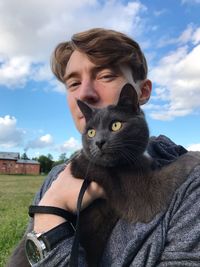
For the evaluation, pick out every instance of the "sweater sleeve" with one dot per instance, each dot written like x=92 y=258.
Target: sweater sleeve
x=60 y=255
x=182 y=246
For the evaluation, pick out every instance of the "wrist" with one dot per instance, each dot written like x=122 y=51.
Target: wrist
x=56 y=215
x=45 y=222
x=52 y=199
x=37 y=245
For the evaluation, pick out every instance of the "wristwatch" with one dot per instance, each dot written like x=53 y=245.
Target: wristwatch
x=37 y=245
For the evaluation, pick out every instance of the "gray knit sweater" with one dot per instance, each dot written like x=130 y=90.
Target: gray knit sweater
x=170 y=239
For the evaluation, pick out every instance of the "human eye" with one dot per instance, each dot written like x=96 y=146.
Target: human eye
x=73 y=85
x=106 y=76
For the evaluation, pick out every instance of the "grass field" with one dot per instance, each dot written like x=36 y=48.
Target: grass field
x=16 y=194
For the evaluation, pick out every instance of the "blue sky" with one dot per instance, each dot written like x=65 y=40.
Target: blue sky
x=33 y=111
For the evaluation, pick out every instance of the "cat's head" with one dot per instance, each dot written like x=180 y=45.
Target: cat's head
x=116 y=134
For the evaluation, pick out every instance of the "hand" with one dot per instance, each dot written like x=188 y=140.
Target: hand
x=63 y=193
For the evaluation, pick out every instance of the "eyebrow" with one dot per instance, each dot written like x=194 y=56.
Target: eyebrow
x=70 y=75
x=94 y=71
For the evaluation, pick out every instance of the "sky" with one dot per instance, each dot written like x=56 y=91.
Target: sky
x=34 y=116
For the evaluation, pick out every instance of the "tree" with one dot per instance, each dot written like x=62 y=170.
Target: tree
x=49 y=156
x=62 y=157
x=46 y=163
x=24 y=156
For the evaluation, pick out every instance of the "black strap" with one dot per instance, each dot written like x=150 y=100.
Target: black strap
x=57 y=234
x=73 y=262
x=52 y=210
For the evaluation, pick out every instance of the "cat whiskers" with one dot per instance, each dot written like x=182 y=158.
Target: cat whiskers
x=119 y=150
x=138 y=162
x=118 y=145
x=127 y=153
x=94 y=153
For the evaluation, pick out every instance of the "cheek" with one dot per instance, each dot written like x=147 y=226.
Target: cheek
x=69 y=100
x=110 y=95
x=72 y=105
x=79 y=122
x=81 y=125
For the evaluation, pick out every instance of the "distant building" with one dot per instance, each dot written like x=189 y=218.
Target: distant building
x=10 y=163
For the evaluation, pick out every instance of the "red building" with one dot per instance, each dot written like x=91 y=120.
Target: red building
x=10 y=163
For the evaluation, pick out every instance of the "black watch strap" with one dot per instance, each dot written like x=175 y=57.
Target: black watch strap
x=52 y=210
x=52 y=237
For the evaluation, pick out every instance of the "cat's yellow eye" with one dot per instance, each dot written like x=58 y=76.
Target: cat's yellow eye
x=116 y=126
x=91 y=133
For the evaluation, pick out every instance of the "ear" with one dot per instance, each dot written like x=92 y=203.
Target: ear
x=128 y=97
x=85 y=109
x=146 y=88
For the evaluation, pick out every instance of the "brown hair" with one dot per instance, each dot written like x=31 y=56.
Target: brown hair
x=103 y=47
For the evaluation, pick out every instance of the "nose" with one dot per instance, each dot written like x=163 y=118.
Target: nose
x=100 y=143
x=88 y=93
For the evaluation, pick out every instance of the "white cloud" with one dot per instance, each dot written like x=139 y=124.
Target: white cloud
x=186 y=35
x=15 y=71
x=10 y=135
x=196 y=36
x=56 y=86
x=190 y=35
x=45 y=144
x=160 y=12
x=194 y=147
x=40 y=142
x=31 y=29
x=70 y=145
x=42 y=72
x=177 y=79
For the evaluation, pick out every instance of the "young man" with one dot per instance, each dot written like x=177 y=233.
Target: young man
x=94 y=66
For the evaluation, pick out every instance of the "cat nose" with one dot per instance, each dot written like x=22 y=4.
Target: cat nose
x=100 y=143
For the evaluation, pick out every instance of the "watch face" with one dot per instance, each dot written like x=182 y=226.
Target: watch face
x=35 y=248
x=32 y=251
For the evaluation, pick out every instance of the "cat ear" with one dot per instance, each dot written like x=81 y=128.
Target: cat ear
x=128 y=97
x=85 y=109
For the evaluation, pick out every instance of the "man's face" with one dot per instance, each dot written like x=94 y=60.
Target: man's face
x=97 y=86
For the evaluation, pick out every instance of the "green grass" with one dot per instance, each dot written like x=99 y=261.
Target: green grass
x=16 y=194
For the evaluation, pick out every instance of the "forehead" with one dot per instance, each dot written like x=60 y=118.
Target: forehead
x=77 y=62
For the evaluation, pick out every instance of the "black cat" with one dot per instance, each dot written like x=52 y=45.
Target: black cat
x=114 y=144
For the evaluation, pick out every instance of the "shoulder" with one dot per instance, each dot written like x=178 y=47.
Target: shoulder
x=192 y=183
x=163 y=150
x=186 y=201
x=182 y=223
